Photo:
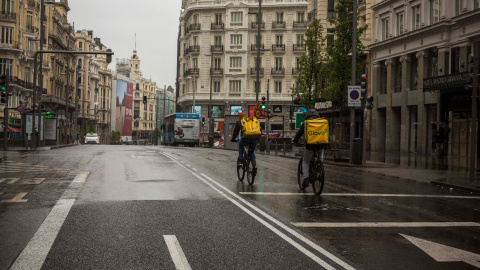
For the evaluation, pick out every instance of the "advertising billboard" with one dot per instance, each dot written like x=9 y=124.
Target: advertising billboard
x=124 y=110
x=235 y=110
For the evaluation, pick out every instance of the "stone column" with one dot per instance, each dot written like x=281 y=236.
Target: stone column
x=422 y=140
x=390 y=63
x=375 y=75
x=463 y=58
x=405 y=127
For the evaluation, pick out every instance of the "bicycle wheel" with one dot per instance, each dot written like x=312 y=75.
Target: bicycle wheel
x=300 y=174
x=240 y=169
x=249 y=169
x=319 y=178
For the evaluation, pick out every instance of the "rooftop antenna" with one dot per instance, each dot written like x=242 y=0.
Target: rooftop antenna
x=135 y=42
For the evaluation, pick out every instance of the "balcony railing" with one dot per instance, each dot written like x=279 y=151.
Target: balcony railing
x=217 y=26
x=299 y=47
x=10 y=16
x=300 y=24
x=278 y=71
x=216 y=71
x=254 y=47
x=194 y=49
x=217 y=48
x=31 y=29
x=278 y=47
x=9 y=45
x=254 y=25
x=20 y=82
x=253 y=71
x=311 y=15
x=192 y=71
x=278 y=24
x=195 y=27
x=295 y=71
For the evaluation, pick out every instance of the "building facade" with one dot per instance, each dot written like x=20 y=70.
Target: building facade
x=218 y=53
x=418 y=60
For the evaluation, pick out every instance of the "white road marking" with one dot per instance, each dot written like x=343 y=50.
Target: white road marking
x=442 y=253
x=383 y=224
x=33 y=181
x=34 y=254
x=178 y=257
x=194 y=169
x=361 y=195
x=17 y=199
x=207 y=180
x=13 y=180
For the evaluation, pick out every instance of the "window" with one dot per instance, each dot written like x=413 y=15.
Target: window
x=400 y=23
x=235 y=62
x=237 y=18
x=218 y=19
x=195 y=19
x=299 y=65
x=27 y=75
x=216 y=87
x=278 y=63
x=8 y=6
x=236 y=39
x=5 y=64
x=385 y=28
x=279 y=39
x=255 y=61
x=195 y=63
x=7 y=35
x=256 y=38
x=279 y=17
x=235 y=86
x=435 y=7
x=195 y=41
x=476 y=4
x=218 y=41
x=217 y=63
x=300 y=40
x=29 y=19
x=278 y=87
x=416 y=17
x=458 y=7
x=301 y=17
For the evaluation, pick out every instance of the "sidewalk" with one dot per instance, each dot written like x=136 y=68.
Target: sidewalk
x=17 y=152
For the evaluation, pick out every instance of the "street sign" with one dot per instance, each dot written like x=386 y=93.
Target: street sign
x=258 y=113
x=354 y=96
x=257 y=106
x=299 y=119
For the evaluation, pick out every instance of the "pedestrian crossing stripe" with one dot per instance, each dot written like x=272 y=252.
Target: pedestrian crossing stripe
x=16 y=167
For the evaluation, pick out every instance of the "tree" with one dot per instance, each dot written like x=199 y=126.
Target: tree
x=311 y=79
x=91 y=128
x=338 y=58
x=115 y=136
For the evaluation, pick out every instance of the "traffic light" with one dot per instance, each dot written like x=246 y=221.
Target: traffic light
x=3 y=88
x=3 y=125
x=263 y=103
x=203 y=121
x=109 y=56
x=470 y=69
x=369 y=103
x=145 y=99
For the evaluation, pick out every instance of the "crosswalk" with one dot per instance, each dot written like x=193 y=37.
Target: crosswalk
x=22 y=167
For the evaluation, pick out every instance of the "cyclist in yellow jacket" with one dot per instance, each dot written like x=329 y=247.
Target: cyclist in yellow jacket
x=247 y=140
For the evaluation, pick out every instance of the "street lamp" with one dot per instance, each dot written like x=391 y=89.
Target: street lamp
x=194 y=85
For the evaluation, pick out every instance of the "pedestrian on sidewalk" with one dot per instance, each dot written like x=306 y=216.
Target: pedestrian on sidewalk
x=439 y=142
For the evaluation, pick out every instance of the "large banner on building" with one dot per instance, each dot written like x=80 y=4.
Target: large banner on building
x=124 y=110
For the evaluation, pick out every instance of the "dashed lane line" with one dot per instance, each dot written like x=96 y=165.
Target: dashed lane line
x=17 y=199
x=176 y=252
x=383 y=224
x=361 y=195
x=235 y=199
x=34 y=254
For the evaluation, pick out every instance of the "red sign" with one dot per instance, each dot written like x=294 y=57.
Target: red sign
x=127 y=124
x=251 y=112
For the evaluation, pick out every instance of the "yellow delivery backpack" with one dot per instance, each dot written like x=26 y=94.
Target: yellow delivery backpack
x=251 y=127
x=316 y=131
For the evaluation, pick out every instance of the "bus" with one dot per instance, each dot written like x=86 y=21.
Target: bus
x=181 y=128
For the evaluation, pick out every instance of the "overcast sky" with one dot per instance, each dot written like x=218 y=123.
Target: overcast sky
x=116 y=21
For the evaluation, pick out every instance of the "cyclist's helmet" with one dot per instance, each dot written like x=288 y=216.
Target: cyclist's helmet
x=312 y=113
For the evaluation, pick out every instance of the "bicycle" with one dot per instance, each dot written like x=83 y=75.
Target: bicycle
x=246 y=165
x=316 y=172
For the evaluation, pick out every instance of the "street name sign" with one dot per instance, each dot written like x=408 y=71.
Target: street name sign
x=354 y=96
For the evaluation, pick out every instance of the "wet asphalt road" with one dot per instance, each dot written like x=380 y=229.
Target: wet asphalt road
x=117 y=207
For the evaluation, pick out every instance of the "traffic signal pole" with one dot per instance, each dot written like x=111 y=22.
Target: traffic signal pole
x=6 y=118
x=354 y=75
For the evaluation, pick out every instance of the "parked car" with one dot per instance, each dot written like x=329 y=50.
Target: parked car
x=92 y=138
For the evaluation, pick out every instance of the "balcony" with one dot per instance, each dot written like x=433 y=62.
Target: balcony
x=9 y=45
x=217 y=26
x=299 y=48
x=254 y=25
x=278 y=24
x=195 y=49
x=296 y=71
x=278 y=48
x=254 y=47
x=191 y=71
x=216 y=71
x=7 y=16
x=253 y=71
x=311 y=15
x=31 y=29
x=300 y=24
x=217 y=48
x=278 y=71
x=21 y=83
x=195 y=27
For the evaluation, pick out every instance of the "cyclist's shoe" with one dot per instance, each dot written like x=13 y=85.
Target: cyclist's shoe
x=306 y=182
x=254 y=171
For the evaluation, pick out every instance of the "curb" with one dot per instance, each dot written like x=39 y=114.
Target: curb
x=458 y=187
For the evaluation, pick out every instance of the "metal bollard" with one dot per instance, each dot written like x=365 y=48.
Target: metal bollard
x=276 y=147
x=284 y=147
